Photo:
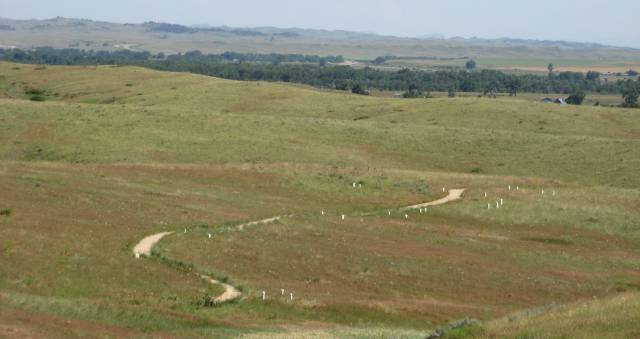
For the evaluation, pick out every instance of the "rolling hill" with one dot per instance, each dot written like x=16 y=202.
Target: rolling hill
x=94 y=159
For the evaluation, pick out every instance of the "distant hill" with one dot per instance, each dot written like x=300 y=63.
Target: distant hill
x=173 y=38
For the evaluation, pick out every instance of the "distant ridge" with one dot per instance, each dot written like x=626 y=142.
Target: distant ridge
x=174 y=38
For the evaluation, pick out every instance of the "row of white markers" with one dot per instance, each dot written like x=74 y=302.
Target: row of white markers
x=500 y=203
x=264 y=295
x=406 y=216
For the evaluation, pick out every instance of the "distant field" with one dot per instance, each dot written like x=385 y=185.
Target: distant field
x=85 y=34
x=526 y=65
x=113 y=154
x=590 y=100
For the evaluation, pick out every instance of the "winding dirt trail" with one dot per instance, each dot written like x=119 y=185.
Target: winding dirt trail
x=454 y=194
x=259 y=222
x=230 y=292
x=145 y=246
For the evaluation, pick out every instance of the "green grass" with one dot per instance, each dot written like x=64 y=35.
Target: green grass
x=118 y=153
x=601 y=318
x=160 y=124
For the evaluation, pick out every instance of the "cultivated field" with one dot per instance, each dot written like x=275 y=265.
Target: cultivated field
x=523 y=64
x=114 y=154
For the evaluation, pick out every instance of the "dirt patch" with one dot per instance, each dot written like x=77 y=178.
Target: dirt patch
x=453 y=195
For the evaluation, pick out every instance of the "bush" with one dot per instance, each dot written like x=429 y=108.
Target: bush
x=457 y=329
x=38 y=98
x=412 y=94
x=576 y=98
x=6 y=212
x=34 y=91
x=358 y=89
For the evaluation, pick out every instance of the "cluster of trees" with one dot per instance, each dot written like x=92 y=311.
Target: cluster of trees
x=70 y=56
x=314 y=71
x=273 y=58
x=51 y=56
x=345 y=77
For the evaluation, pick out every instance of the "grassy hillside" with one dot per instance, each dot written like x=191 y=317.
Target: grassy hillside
x=600 y=318
x=114 y=154
x=502 y=53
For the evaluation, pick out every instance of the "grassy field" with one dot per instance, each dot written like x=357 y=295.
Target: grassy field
x=604 y=318
x=114 y=154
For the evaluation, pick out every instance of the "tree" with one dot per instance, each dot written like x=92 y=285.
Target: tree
x=593 y=76
x=514 y=86
x=576 y=98
x=630 y=93
x=380 y=60
x=413 y=92
x=471 y=65
x=632 y=73
x=491 y=90
x=551 y=68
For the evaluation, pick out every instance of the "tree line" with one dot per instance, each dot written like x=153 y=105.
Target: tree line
x=323 y=72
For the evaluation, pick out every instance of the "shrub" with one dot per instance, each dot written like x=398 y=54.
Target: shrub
x=412 y=94
x=38 y=98
x=457 y=329
x=358 y=89
x=6 y=212
x=576 y=98
x=34 y=91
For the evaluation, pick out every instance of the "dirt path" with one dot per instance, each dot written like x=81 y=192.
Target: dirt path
x=145 y=246
x=453 y=195
x=230 y=292
x=259 y=222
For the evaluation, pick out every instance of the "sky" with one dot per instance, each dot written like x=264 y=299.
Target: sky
x=612 y=22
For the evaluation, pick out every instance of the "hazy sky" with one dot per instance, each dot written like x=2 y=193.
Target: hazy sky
x=615 y=22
